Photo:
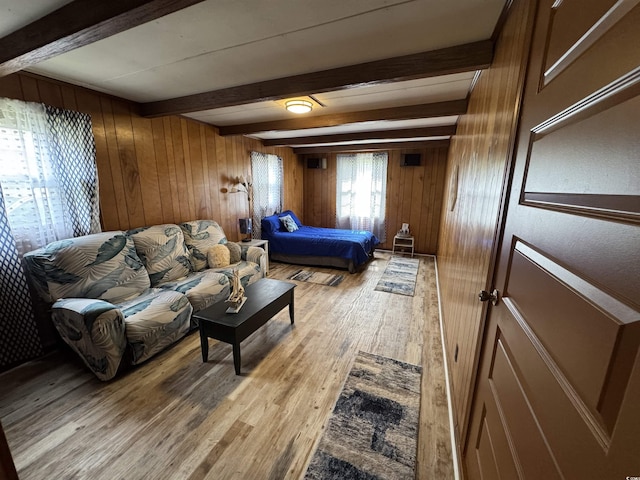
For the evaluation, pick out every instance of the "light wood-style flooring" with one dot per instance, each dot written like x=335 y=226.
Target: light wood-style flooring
x=176 y=417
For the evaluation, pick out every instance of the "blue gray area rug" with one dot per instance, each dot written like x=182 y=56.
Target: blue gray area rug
x=373 y=431
x=399 y=276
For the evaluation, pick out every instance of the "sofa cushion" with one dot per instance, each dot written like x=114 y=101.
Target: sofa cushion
x=154 y=321
x=218 y=256
x=200 y=236
x=203 y=289
x=235 y=252
x=163 y=252
x=249 y=272
x=103 y=265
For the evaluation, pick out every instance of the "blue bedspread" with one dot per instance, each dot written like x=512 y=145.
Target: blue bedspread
x=314 y=241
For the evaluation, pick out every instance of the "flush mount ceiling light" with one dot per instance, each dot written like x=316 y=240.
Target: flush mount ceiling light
x=298 y=106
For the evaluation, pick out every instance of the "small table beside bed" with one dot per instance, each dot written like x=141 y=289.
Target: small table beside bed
x=292 y=242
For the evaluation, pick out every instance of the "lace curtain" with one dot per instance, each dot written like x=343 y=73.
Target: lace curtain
x=48 y=192
x=361 y=189
x=48 y=173
x=266 y=170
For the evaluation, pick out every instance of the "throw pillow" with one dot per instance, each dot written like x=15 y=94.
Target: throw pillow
x=218 y=256
x=234 y=251
x=288 y=223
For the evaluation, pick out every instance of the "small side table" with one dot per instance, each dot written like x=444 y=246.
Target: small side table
x=403 y=244
x=264 y=244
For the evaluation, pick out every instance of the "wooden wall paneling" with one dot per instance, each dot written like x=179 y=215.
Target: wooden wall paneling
x=332 y=165
x=221 y=162
x=320 y=187
x=237 y=199
x=162 y=170
x=231 y=173
x=416 y=207
x=481 y=151
x=197 y=161
x=11 y=87
x=112 y=163
x=438 y=197
x=50 y=94
x=213 y=175
x=69 y=97
x=147 y=169
x=90 y=104
x=171 y=168
x=129 y=163
x=30 y=91
x=423 y=229
x=186 y=155
x=316 y=175
x=182 y=195
x=206 y=209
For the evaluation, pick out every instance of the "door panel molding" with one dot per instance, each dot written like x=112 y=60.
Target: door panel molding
x=595 y=427
x=598 y=297
x=559 y=143
x=623 y=208
x=591 y=337
x=591 y=36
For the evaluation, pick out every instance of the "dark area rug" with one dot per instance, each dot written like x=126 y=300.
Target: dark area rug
x=317 y=277
x=399 y=276
x=373 y=431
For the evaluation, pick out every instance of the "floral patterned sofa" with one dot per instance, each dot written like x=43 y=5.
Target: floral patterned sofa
x=119 y=294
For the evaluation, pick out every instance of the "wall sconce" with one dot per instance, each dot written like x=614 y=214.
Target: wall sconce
x=298 y=106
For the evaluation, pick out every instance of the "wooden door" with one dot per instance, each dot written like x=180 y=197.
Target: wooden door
x=558 y=390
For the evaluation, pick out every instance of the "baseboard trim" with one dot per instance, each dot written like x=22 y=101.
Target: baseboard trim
x=454 y=443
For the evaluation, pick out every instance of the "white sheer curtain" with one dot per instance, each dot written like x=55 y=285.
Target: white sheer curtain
x=48 y=192
x=266 y=170
x=361 y=189
x=41 y=181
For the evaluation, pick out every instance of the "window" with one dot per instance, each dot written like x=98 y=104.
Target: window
x=361 y=192
x=47 y=173
x=266 y=170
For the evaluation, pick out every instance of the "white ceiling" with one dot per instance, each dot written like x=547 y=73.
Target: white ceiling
x=219 y=44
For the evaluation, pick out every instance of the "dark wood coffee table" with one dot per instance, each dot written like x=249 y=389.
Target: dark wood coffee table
x=265 y=298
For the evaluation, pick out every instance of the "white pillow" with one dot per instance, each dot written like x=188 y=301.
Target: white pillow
x=289 y=223
x=218 y=256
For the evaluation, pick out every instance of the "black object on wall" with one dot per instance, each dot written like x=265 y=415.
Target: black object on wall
x=411 y=160
x=317 y=163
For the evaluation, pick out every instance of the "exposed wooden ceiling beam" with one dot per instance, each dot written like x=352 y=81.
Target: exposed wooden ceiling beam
x=365 y=147
x=426 y=110
x=76 y=24
x=460 y=58
x=440 y=131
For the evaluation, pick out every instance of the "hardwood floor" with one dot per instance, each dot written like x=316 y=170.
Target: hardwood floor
x=176 y=417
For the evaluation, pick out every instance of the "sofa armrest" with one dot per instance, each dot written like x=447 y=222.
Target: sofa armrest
x=255 y=255
x=95 y=330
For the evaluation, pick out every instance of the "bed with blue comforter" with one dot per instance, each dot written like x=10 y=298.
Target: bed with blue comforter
x=306 y=245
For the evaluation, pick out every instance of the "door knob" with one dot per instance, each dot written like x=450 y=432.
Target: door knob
x=485 y=296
